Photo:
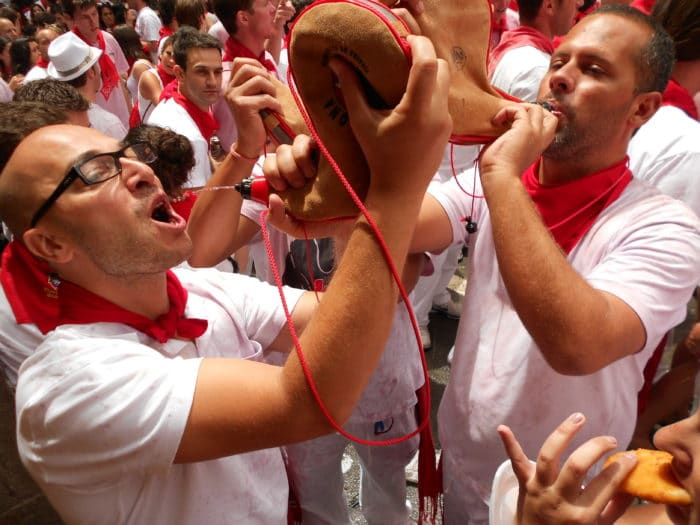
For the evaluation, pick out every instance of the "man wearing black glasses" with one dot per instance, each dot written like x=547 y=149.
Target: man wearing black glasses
x=147 y=403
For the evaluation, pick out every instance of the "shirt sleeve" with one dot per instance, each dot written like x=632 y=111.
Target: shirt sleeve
x=115 y=407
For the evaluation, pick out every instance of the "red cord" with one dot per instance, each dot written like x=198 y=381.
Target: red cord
x=385 y=251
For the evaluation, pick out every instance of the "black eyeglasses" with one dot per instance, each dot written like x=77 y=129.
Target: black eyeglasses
x=96 y=169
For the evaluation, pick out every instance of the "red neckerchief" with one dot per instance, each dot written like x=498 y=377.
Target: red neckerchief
x=645 y=6
x=80 y=306
x=165 y=77
x=677 y=96
x=165 y=32
x=204 y=120
x=570 y=209
x=169 y=90
x=108 y=71
x=519 y=37
x=233 y=49
x=30 y=290
x=42 y=62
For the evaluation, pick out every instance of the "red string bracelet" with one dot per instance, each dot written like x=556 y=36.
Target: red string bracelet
x=237 y=156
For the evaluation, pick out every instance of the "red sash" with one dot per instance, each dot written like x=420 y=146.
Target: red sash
x=233 y=49
x=677 y=96
x=29 y=288
x=80 y=306
x=204 y=120
x=570 y=209
x=110 y=75
x=519 y=37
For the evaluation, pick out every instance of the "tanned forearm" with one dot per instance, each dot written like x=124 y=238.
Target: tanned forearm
x=213 y=223
x=578 y=329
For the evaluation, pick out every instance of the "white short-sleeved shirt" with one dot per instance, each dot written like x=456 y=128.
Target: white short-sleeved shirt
x=520 y=72
x=665 y=152
x=644 y=248
x=101 y=410
x=171 y=115
x=106 y=122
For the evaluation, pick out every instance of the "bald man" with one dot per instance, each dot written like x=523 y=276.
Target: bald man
x=148 y=403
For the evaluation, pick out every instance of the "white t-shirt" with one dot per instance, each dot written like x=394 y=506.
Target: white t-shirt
x=665 y=152
x=218 y=31
x=148 y=26
x=644 y=248
x=520 y=72
x=106 y=122
x=171 y=115
x=101 y=409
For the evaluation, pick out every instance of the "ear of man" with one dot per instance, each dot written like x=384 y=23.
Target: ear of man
x=644 y=107
x=47 y=245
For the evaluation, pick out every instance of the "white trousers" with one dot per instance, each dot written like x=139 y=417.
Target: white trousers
x=315 y=472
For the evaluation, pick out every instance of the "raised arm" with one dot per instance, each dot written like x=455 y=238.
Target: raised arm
x=578 y=328
x=214 y=222
x=240 y=406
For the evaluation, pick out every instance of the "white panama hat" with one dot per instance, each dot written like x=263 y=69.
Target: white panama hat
x=70 y=57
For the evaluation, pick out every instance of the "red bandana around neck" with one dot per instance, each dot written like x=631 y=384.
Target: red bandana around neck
x=570 y=209
x=233 y=49
x=169 y=91
x=108 y=71
x=204 y=120
x=80 y=306
x=42 y=62
x=679 y=97
x=165 y=77
x=519 y=37
x=29 y=288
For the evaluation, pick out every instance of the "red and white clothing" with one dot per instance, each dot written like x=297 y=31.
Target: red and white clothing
x=148 y=26
x=643 y=248
x=665 y=152
x=171 y=115
x=115 y=402
x=115 y=101
x=519 y=62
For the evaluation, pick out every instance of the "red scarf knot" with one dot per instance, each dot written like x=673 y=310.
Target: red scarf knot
x=519 y=37
x=108 y=71
x=80 y=306
x=234 y=49
x=679 y=97
x=42 y=62
x=570 y=209
x=205 y=120
x=29 y=287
